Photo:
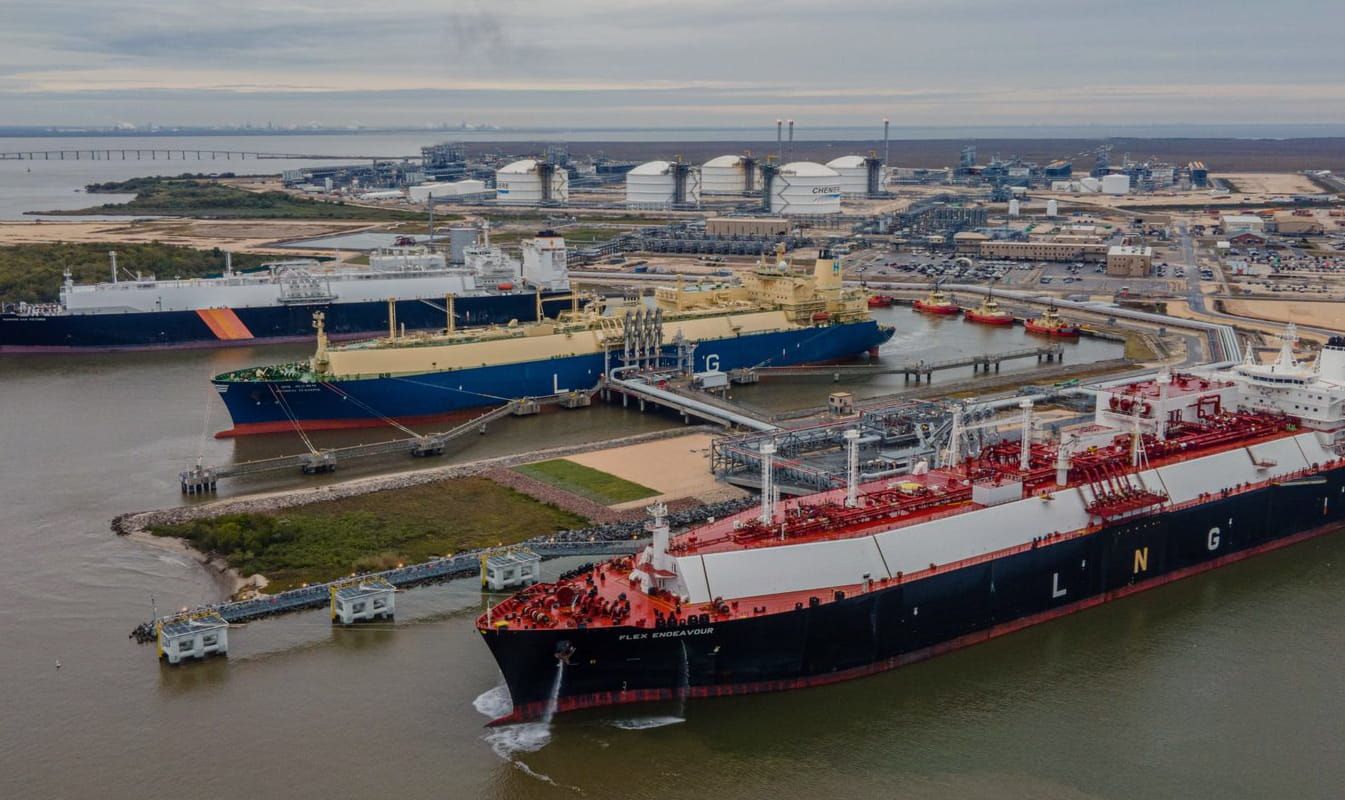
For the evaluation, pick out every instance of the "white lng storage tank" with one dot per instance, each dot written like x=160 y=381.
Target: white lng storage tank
x=806 y=187
x=663 y=184
x=529 y=181
x=730 y=175
x=854 y=173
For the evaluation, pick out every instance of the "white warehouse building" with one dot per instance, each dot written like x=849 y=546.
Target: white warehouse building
x=530 y=182
x=663 y=184
x=854 y=172
x=805 y=187
x=445 y=191
x=730 y=175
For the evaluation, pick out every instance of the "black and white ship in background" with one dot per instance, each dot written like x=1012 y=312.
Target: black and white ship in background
x=408 y=285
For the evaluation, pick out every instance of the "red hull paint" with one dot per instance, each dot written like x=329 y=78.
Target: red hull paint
x=1063 y=333
x=880 y=301
x=973 y=316
x=947 y=310
x=284 y=426
x=576 y=703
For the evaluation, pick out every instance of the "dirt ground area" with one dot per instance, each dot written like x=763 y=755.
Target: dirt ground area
x=1316 y=313
x=229 y=234
x=1270 y=183
x=676 y=468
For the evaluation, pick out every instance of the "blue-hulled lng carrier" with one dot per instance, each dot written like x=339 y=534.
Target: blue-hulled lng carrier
x=276 y=303
x=1172 y=477
x=773 y=317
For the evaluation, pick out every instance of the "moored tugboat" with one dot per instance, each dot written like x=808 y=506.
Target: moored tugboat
x=988 y=313
x=1050 y=323
x=937 y=302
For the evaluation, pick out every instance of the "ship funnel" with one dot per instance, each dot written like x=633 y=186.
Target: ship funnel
x=1331 y=361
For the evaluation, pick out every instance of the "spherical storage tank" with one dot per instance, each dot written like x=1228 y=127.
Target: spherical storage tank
x=805 y=187
x=663 y=184
x=854 y=172
x=524 y=182
x=729 y=175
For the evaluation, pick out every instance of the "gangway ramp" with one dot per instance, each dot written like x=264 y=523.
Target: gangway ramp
x=202 y=479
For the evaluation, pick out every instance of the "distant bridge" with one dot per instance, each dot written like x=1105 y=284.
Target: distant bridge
x=180 y=154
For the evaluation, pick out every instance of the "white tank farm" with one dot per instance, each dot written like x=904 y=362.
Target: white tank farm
x=654 y=185
x=446 y=190
x=728 y=175
x=522 y=183
x=806 y=187
x=854 y=172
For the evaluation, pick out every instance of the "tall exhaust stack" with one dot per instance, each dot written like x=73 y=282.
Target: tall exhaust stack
x=852 y=468
x=886 y=124
x=1025 y=453
x=791 y=140
x=780 y=141
x=112 y=254
x=767 y=482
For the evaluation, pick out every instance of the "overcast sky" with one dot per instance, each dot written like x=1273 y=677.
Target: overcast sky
x=593 y=63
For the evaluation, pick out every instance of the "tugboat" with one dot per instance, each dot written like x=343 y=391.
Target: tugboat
x=880 y=301
x=989 y=313
x=1050 y=323
x=937 y=302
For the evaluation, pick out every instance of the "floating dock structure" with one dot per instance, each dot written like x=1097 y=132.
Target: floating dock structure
x=438 y=570
x=509 y=568
x=362 y=599
x=202 y=479
x=192 y=635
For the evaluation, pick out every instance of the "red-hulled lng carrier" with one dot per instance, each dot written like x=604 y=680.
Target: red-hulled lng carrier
x=988 y=313
x=1199 y=473
x=937 y=302
x=1050 y=323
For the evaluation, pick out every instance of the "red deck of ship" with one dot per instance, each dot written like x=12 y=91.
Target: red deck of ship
x=604 y=595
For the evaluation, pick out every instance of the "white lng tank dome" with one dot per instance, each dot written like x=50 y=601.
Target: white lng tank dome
x=521 y=182
x=654 y=185
x=854 y=173
x=806 y=187
x=728 y=175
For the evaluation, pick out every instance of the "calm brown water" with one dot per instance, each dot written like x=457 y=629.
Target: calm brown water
x=1227 y=685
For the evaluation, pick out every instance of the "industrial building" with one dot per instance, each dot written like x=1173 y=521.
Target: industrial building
x=663 y=185
x=1058 y=171
x=1297 y=225
x=192 y=635
x=805 y=187
x=532 y=182
x=747 y=226
x=1200 y=176
x=1233 y=224
x=440 y=192
x=1130 y=261
x=968 y=243
x=1044 y=251
x=730 y=174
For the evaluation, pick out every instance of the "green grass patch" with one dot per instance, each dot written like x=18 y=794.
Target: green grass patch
x=31 y=273
x=195 y=197
x=596 y=485
x=375 y=531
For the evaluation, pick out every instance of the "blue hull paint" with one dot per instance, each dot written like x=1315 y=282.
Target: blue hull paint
x=186 y=329
x=343 y=403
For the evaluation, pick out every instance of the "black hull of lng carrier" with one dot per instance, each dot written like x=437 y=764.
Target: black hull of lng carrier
x=234 y=327
x=837 y=638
